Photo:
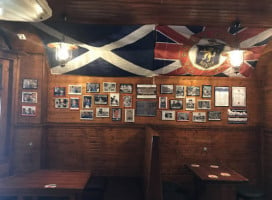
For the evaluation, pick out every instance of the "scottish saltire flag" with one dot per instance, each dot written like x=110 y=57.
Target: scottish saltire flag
x=104 y=50
x=198 y=50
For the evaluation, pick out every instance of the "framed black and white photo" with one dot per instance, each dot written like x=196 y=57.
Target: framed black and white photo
x=167 y=89
x=101 y=99
x=114 y=99
x=146 y=108
x=92 y=87
x=183 y=116
x=193 y=91
x=176 y=104
x=238 y=96
x=74 y=103
x=109 y=87
x=221 y=96
x=30 y=83
x=129 y=115
x=127 y=101
x=28 y=110
x=59 y=91
x=146 y=91
x=86 y=101
x=199 y=117
x=75 y=89
x=86 y=114
x=29 y=97
x=214 y=115
x=126 y=88
x=168 y=115
x=102 y=112
x=203 y=104
x=190 y=103
x=206 y=91
x=180 y=91
x=163 y=103
x=61 y=103
x=116 y=114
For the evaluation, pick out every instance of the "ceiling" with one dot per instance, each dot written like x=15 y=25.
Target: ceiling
x=251 y=13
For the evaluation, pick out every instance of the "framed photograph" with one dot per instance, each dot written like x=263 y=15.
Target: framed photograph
x=163 y=103
x=206 y=91
x=102 y=112
x=182 y=116
x=30 y=83
x=193 y=91
x=180 y=91
x=129 y=115
x=29 y=97
x=204 y=104
x=86 y=114
x=75 y=89
x=92 y=87
x=29 y=110
x=116 y=114
x=199 y=117
x=238 y=96
x=168 y=115
x=126 y=88
x=214 y=115
x=109 y=87
x=176 y=104
x=74 y=103
x=190 y=103
x=59 y=91
x=146 y=108
x=87 y=102
x=221 y=96
x=61 y=103
x=101 y=99
x=167 y=89
x=127 y=101
x=114 y=99
x=146 y=91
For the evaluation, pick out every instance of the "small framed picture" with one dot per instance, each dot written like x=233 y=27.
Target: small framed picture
x=168 y=115
x=214 y=115
x=206 y=91
x=190 y=103
x=101 y=99
x=29 y=97
x=146 y=91
x=167 y=89
x=180 y=91
x=199 y=117
x=114 y=99
x=75 y=89
x=193 y=91
x=221 y=96
x=29 y=110
x=74 y=103
x=30 y=83
x=127 y=101
x=59 y=91
x=238 y=96
x=163 y=103
x=92 y=87
x=87 y=102
x=129 y=115
x=204 y=104
x=182 y=116
x=109 y=87
x=116 y=114
x=61 y=103
x=126 y=88
x=176 y=104
x=102 y=112
x=146 y=108
x=86 y=114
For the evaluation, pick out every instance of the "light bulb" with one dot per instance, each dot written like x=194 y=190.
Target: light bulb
x=236 y=57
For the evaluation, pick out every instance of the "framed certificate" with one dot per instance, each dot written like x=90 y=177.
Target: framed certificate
x=221 y=96
x=238 y=96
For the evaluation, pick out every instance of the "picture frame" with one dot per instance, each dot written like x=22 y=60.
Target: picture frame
x=168 y=115
x=190 y=103
x=127 y=101
x=183 y=116
x=59 y=91
x=28 y=111
x=199 y=117
x=86 y=114
x=87 y=101
x=238 y=96
x=167 y=89
x=29 y=83
x=203 y=104
x=109 y=87
x=146 y=91
x=163 y=103
x=116 y=114
x=221 y=96
x=180 y=91
x=92 y=87
x=75 y=89
x=100 y=99
x=146 y=108
x=61 y=103
x=237 y=116
x=74 y=103
x=102 y=112
x=129 y=115
x=193 y=91
x=29 y=97
x=126 y=88
x=114 y=99
x=214 y=115
x=206 y=91
x=176 y=104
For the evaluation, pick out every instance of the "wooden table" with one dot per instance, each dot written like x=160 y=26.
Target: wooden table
x=219 y=176
x=45 y=183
